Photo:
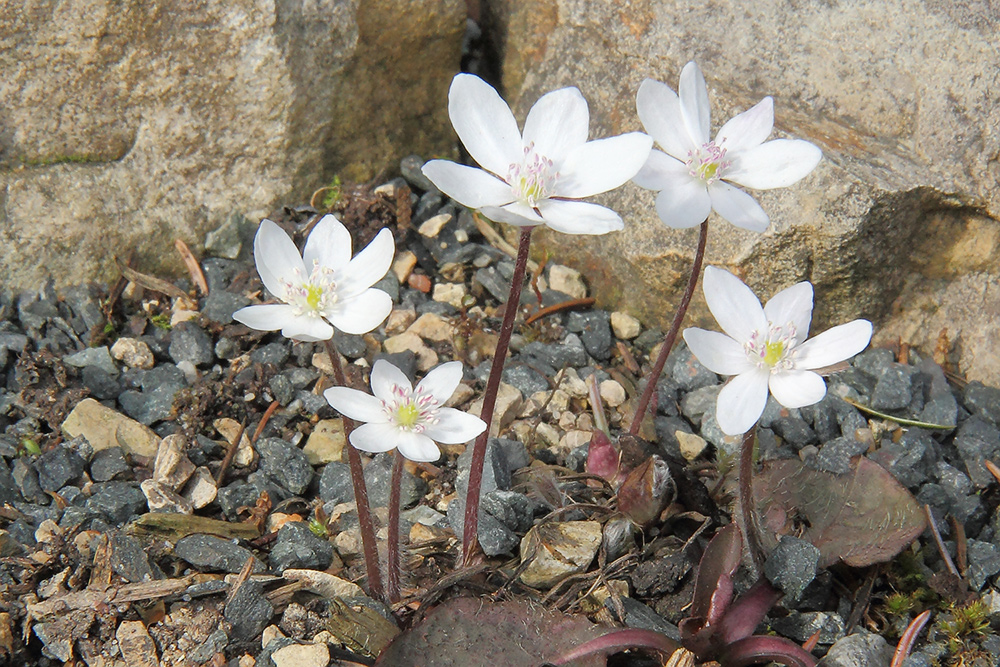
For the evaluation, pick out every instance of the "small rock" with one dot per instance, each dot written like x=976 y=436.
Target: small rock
x=508 y=406
x=573 y=439
x=96 y=357
x=201 y=489
x=525 y=379
x=118 y=501
x=378 y=474
x=172 y=466
x=229 y=428
x=411 y=169
x=162 y=498
x=612 y=393
x=248 y=611
x=136 y=645
x=982 y=401
x=566 y=280
x=450 y=293
x=335 y=483
x=107 y=464
x=595 y=331
x=792 y=566
x=326 y=442
x=431 y=227
x=403 y=265
x=214 y=554
x=433 y=328
x=557 y=550
x=625 y=326
x=800 y=626
x=224 y=241
x=189 y=343
x=862 y=649
x=426 y=357
x=104 y=428
x=301 y=655
x=57 y=467
x=984 y=562
x=692 y=446
x=285 y=464
x=275 y=354
x=400 y=320
x=298 y=547
x=419 y=282
x=894 y=388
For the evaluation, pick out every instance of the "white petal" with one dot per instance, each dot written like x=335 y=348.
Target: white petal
x=276 y=256
x=442 y=381
x=362 y=313
x=375 y=438
x=308 y=329
x=834 y=345
x=717 y=352
x=270 y=317
x=741 y=402
x=660 y=112
x=484 y=123
x=683 y=203
x=385 y=377
x=468 y=186
x=368 y=267
x=514 y=213
x=602 y=165
x=329 y=243
x=734 y=306
x=557 y=123
x=417 y=447
x=579 y=217
x=695 y=111
x=737 y=207
x=797 y=389
x=748 y=129
x=660 y=170
x=776 y=164
x=793 y=304
x=356 y=404
x=455 y=427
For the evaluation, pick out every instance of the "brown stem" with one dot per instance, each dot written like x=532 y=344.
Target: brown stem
x=675 y=327
x=360 y=489
x=392 y=577
x=469 y=540
x=746 y=499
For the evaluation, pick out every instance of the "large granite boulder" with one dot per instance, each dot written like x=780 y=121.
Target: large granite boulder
x=125 y=124
x=898 y=223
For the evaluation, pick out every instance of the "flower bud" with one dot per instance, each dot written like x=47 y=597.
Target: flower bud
x=647 y=489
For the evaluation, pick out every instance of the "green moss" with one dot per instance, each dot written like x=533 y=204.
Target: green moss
x=161 y=321
x=61 y=159
x=965 y=625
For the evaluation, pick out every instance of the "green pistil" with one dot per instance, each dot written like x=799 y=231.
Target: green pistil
x=774 y=353
x=708 y=170
x=407 y=415
x=313 y=295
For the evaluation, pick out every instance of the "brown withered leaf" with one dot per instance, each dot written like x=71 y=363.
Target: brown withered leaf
x=469 y=632
x=861 y=517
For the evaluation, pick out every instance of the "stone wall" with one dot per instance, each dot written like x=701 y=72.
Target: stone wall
x=125 y=124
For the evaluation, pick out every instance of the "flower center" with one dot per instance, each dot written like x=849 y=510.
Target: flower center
x=312 y=295
x=411 y=410
x=708 y=163
x=533 y=178
x=772 y=348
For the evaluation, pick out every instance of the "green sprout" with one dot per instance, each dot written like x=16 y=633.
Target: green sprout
x=318 y=528
x=30 y=446
x=333 y=194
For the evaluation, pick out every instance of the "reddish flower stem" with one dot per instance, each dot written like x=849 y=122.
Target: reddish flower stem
x=392 y=578
x=360 y=489
x=470 y=540
x=746 y=499
x=671 y=337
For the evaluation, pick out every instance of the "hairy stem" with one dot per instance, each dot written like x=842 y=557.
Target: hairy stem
x=392 y=578
x=360 y=489
x=469 y=539
x=671 y=337
x=746 y=499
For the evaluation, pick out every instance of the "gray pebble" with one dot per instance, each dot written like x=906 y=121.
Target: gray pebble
x=524 y=379
x=275 y=354
x=594 y=328
x=298 y=547
x=108 y=464
x=862 y=649
x=95 y=357
x=791 y=567
x=248 y=611
x=984 y=562
x=57 y=467
x=220 y=305
x=189 y=343
x=894 y=388
x=378 y=474
x=117 y=501
x=410 y=167
x=208 y=553
x=285 y=464
x=982 y=401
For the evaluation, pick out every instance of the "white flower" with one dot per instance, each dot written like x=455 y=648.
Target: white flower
x=692 y=175
x=400 y=416
x=324 y=286
x=532 y=179
x=766 y=348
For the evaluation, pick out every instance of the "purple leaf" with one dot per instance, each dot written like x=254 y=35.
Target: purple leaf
x=713 y=589
x=764 y=649
x=744 y=615
x=470 y=632
x=619 y=640
x=602 y=457
x=861 y=517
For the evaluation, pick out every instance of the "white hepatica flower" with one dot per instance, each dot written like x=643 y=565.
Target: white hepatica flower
x=766 y=348
x=534 y=178
x=693 y=176
x=322 y=287
x=400 y=416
